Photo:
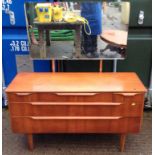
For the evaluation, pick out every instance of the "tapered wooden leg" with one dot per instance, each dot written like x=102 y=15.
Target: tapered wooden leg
x=122 y=142
x=30 y=141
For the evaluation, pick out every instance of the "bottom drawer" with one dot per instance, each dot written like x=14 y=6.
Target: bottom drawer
x=75 y=109
x=75 y=124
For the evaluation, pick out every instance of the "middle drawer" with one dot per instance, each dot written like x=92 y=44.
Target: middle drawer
x=74 y=109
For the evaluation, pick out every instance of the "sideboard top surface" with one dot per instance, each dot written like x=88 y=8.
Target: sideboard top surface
x=76 y=82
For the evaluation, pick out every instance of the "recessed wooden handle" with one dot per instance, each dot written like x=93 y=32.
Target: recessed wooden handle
x=76 y=118
x=76 y=94
x=127 y=94
x=76 y=103
x=23 y=94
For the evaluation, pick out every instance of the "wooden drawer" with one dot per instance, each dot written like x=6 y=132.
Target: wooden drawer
x=75 y=109
x=60 y=97
x=128 y=97
x=75 y=124
x=134 y=102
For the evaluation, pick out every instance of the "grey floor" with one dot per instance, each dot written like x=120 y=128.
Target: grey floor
x=139 y=144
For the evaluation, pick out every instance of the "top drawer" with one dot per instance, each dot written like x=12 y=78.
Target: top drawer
x=59 y=97
x=135 y=98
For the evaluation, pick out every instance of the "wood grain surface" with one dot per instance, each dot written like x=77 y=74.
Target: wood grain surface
x=115 y=37
x=75 y=124
x=76 y=82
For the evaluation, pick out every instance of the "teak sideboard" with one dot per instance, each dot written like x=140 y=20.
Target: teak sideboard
x=76 y=103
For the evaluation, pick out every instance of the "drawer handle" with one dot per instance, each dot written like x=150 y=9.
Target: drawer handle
x=76 y=118
x=23 y=94
x=127 y=94
x=75 y=103
x=76 y=94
